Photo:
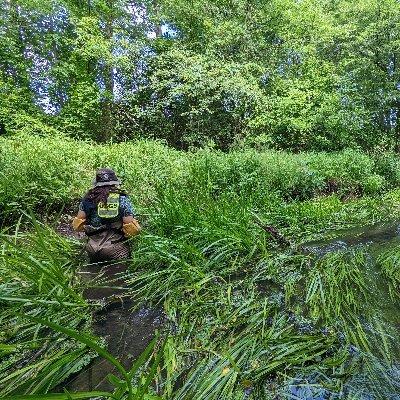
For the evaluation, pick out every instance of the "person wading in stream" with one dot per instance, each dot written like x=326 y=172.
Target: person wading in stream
x=107 y=217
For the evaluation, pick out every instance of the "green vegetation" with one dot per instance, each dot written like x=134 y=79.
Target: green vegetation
x=38 y=279
x=249 y=312
x=40 y=290
x=391 y=268
x=243 y=130
x=287 y=74
x=46 y=173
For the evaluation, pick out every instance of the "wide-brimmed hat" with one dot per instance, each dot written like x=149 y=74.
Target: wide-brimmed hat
x=106 y=177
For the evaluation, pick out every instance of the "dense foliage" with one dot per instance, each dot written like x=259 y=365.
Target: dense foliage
x=47 y=173
x=286 y=74
x=246 y=313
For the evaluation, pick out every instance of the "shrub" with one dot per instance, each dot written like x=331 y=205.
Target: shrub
x=47 y=172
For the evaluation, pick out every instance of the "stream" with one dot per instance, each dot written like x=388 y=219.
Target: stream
x=379 y=377
x=128 y=333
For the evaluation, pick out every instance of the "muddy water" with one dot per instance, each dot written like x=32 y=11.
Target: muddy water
x=127 y=333
x=378 y=376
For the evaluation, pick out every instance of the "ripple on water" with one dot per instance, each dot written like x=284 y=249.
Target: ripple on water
x=378 y=375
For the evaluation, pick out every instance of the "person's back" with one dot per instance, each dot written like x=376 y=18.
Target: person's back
x=106 y=216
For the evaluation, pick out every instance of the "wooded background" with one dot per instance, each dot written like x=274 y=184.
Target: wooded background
x=297 y=75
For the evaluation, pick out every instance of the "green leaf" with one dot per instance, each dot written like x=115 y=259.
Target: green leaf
x=59 y=396
x=114 y=380
x=81 y=338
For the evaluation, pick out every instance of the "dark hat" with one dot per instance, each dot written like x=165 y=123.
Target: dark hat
x=106 y=177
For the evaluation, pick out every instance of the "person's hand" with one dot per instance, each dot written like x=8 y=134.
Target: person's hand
x=77 y=224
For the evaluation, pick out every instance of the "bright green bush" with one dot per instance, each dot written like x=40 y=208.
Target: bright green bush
x=388 y=165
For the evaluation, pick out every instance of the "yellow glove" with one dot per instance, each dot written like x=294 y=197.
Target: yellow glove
x=77 y=224
x=131 y=228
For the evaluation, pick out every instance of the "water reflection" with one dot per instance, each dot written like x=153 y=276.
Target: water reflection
x=127 y=333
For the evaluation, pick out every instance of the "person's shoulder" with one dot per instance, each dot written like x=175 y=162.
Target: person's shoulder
x=124 y=199
x=123 y=193
x=86 y=203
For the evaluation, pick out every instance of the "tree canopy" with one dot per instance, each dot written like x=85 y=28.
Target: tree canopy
x=293 y=74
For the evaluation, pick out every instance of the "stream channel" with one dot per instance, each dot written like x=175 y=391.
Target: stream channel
x=128 y=333
x=378 y=378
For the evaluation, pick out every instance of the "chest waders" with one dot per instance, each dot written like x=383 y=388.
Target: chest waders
x=107 y=242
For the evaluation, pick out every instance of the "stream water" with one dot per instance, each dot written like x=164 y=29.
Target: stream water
x=378 y=377
x=128 y=333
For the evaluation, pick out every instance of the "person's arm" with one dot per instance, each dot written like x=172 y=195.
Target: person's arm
x=81 y=214
x=128 y=219
x=130 y=226
x=79 y=221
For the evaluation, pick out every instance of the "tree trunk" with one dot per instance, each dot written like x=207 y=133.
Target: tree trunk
x=106 y=131
x=397 y=131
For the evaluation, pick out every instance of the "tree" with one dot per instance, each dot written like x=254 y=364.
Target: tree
x=289 y=74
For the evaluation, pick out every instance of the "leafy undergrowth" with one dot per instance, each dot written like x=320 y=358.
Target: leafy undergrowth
x=250 y=314
x=37 y=278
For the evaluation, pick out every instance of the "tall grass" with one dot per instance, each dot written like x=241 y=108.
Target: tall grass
x=230 y=341
x=37 y=278
x=125 y=389
x=46 y=173
x=266 y=345
x=335 y=286
x=222 y=288
x=390 y=262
